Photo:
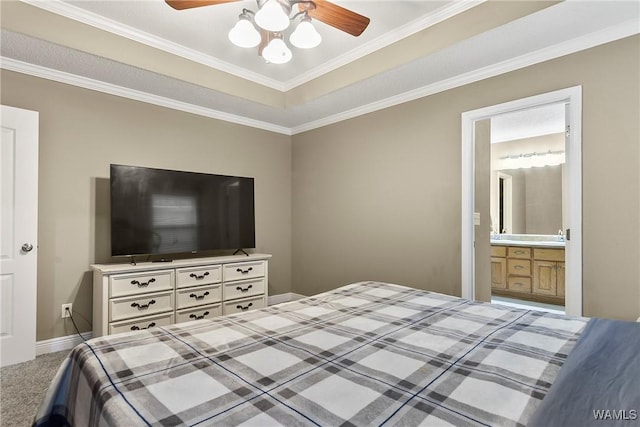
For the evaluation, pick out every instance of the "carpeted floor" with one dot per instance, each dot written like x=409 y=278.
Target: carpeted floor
x=22 y=388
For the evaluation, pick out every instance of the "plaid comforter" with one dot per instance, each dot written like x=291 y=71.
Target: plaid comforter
x=365 y=354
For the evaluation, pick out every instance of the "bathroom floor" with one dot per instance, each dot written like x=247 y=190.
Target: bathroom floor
x=527 y=305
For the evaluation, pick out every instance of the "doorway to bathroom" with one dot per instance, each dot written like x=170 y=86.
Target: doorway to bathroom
x=526 y=174
x=522 y=202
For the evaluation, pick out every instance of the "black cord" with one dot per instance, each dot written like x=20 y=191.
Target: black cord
x=74 y=324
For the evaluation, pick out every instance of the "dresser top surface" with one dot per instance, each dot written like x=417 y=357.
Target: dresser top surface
x=178 y=263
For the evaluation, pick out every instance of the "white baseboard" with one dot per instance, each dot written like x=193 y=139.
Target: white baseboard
x=70 y=341
x=61 y=343
x=280 y=298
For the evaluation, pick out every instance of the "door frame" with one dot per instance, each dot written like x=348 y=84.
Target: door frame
x=573 y=250
x=507 y=202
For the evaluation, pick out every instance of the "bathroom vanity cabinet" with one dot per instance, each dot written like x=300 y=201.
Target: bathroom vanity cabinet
x=528 y=272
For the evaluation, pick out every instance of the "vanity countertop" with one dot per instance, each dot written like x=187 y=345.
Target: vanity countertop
x=532 y=240
x=529 y=243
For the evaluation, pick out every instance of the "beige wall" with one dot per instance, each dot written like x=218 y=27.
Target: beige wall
x=379 y=196
x=372 y=198
x=482 y=198
x=82 y=132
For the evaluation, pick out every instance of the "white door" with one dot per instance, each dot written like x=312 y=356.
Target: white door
x=18 y=234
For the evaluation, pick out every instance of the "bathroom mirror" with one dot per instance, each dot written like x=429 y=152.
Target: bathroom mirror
x=526 y=185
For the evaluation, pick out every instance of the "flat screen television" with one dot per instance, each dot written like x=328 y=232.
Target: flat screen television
x=160 y=212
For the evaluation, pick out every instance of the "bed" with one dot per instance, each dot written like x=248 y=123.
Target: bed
x=364 y=354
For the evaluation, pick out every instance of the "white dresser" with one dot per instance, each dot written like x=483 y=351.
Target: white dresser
x=128 y=297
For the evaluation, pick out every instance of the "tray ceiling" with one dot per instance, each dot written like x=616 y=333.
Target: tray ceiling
x=182 y=59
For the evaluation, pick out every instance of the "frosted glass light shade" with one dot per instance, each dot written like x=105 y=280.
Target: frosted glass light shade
x=305 y=36
x=531 y=160
x=272 y=17
x=538 y=160
x=244 y=34
x=277 y=52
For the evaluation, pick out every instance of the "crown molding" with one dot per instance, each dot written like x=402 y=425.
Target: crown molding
x=100 y=22
x=625 y=29
x=89 y=18
x=111 y=89
x=383 y=41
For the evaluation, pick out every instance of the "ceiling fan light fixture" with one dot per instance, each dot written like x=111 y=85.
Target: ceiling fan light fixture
x=261 y=28
x=277 y=52
x=305 y=36
x=244 y=34
x=272 y=16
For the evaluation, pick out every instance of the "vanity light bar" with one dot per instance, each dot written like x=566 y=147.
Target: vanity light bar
x=527 y=155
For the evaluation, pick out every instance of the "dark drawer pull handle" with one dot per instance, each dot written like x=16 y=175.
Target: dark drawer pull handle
x=239 y=307
x=199 y=297
x=143 y=284
x=143 y=306
x=193 y=316
x=239 y=270
x=202 y=276
x=239 y=288
x=137 y=328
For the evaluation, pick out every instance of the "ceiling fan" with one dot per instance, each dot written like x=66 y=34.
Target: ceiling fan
x=272 y=18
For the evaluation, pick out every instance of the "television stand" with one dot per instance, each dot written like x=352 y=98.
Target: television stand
x=181 y=291
x=240 y=251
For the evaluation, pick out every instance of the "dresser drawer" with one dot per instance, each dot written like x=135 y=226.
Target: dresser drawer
x=243 y=270
x=121 y=285
x=186 y=277
x=519 y=266
x=147 y=322
x=199 y=295
x=518 y=252
x=244 y=288
x=241 y=305
x=519 y=284
x=203 y=312
x=140 y=305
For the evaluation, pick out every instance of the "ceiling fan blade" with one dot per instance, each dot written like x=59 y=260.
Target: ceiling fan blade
x=337 y=16
x=265 y=38
x=190 y=4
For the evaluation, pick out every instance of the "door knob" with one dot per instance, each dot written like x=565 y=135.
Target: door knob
x=27 y=247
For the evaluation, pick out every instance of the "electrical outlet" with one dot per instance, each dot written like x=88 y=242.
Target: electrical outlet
x=66 y=310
